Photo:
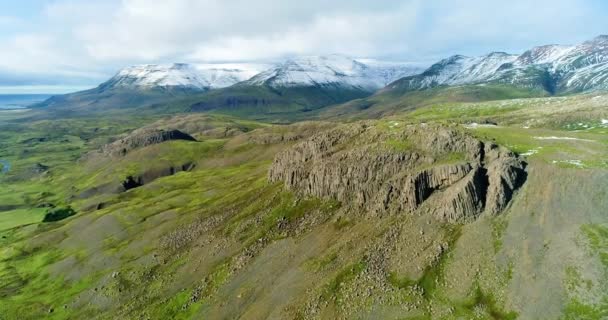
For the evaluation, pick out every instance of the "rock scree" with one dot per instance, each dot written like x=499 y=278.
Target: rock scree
x=391 y=169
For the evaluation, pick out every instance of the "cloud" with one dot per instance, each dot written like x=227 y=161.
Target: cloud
x=88 y=40
x=41 y=56
x=228 y=30
x=47 y=89
x=354 y=33
x=472 y=26
x=219 y=30
x=10 y=21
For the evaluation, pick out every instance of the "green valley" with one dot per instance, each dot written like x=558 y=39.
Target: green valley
x=207 y=234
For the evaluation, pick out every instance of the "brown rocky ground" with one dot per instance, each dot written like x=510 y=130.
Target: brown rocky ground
x=318 y=220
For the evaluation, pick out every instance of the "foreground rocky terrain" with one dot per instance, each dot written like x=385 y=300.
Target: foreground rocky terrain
x=422 y=215
x=380 y=169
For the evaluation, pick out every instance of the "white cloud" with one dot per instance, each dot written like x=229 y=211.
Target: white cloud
x=90 y=39
x=41 y=54
x=10 y=21
x=47 y=89
x=352 y=33
x=228 y=30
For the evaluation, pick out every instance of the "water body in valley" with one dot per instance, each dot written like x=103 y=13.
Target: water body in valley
x=20 y=101
x=5 y=166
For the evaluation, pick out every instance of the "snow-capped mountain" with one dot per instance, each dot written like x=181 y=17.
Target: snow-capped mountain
x=385 y=72
x=459 y=69
x=158 y=76
x=331 y=71
x=306 y=82
x=553 y=68
x=177 y=75
x=227 y=74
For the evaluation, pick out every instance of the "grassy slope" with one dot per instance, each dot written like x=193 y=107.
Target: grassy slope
x=102 y=98
x=60 y=144
x=280 y=105
x=389 y=102
x=270 y=104
x=557 y=224
x=220 y=242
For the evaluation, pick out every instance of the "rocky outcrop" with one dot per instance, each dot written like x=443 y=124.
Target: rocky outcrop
x=401 y=169
x=203 y=125
x=504 y=176
x=142 y=138
x=132 y=182
x=287 y=133
x=40 y=168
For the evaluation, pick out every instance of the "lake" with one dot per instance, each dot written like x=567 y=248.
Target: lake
x=5 y=166
x=20 y=101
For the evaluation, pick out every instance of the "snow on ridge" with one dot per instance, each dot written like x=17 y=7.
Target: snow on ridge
x=310 y=70
x=573 y=67
x=484 y=67
x=335 y=69
x=199 y=77
x=222 y=75
x=160 y=75
x=544 y=54
x=458 y=69
x=385 y=72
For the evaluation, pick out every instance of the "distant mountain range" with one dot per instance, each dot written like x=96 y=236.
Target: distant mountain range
x=555 y=69
x=308 y=83
x=332 y=70
x=175 y=76
x=302 y=83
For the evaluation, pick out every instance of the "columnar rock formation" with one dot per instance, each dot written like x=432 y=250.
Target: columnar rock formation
x=391 y=168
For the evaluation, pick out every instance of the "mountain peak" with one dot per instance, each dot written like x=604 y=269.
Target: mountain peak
x=553 y=68
x=331 y=70
x=149 y=76
x=456 y=57
x=544 y=54
x=497 y=54
x=599 y=40
x=176 y=76
x=180 y=66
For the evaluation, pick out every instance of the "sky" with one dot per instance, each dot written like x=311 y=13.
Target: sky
x=55 y=46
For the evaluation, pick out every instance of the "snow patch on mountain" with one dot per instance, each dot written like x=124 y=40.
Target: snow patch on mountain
x=332 y=70
x=458 y=70
x=555 y=68
x=543 y=55
x=181 y=75
x=382 y=73
x=159 y=75
x=221 y=75
x=482 y=67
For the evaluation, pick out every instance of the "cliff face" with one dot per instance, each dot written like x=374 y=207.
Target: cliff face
x=395 y=168
x=141 y=138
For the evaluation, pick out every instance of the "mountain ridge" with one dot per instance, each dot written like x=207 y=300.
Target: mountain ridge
x=333 y=70
x=164 y=76
x=297 y=84
x=553 y=68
